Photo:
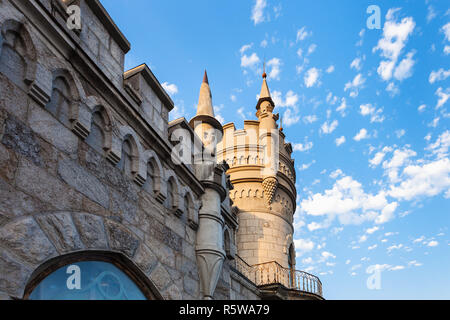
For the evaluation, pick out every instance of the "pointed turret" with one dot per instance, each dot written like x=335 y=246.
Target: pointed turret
x=205 y=106
x=204 y=121
x=265 y=94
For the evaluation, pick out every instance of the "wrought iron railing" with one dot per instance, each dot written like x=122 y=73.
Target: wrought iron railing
x=274 y=273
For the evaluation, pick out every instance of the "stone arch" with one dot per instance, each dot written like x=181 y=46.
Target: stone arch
x=228 y=243
x=117 y=259
x=257 y=193
x=137 y=165
x=95 y=107
x=66 y=86
x=242 y=194
x=31 y=241
x=249 y=193
x=192 y=214
x=83 y=124
x=151 y=157
x=11 y=31
x=170 y=176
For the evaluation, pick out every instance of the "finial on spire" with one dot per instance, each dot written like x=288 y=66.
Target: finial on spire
x=205 y=78
x=281 y=123
x=264 y=68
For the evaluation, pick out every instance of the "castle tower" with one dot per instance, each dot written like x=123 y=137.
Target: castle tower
x=209 y=248
x=263 y=175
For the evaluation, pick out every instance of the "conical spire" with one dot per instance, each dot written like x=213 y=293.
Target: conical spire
x=205 y=106
x=265 y=92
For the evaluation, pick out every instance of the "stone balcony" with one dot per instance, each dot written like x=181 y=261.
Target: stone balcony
x=276 y=282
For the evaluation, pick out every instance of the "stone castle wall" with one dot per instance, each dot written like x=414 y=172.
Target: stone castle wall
x=85 y=156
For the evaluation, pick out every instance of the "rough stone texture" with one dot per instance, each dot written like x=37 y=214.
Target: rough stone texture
x=121 y=239
x=8 y=163
x=18 y=137
x=14 y=203
x=160 y=277
x=46 y=187
x=145 y=259
x=75 y=176
x=13 y=276
x=14 y=100
x=44 y=124
x=91 y=230
x=61 y=230
x=172 y=293
x=26 y=240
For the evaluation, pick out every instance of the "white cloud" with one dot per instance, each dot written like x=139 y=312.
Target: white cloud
x=245 y=47
x=233 y=98
x=404 y=69
x=428 y=179
x=312 y=48
x=348 y=202
x=258 y=11
x=373 y=247
x=396 y=268
x=439 y=75
x=422 y=108
x=356 y=64
x=433 y=243
x=336 y=174
x=441 y=146
x=310 y=119
x=302 y=147
x=291 y=99
x=379 y=156
x=250 y=61
x=327 y=255
x=275 y=70
x=303 y=245
x=302 y=34
x=372 y=230
x=443 y=97
x=414 y=263
x=328 y=128
x=331 y=69
x=375 y=115
x=264 y=43
x=362 y=134
x=312 y=77
x=171 y=89
x=395 y=36
x=342 y=107
x=291 y=117
x=394 y=247
x=340 y=141
x=446 y=30
x=431 y=14
x=400 y=133
x=355 y=85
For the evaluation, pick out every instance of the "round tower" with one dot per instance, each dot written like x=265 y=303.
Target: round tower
x=263 y=175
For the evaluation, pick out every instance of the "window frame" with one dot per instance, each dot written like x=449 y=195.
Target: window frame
x=125 y=265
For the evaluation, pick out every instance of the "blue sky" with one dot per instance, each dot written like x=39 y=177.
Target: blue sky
x=366 y=110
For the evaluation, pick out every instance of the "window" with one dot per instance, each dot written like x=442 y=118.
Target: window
x=170 y=194
x=150 y=183
x=87 y=280
x=59 y=104
x=126 y=160
x=96 y=138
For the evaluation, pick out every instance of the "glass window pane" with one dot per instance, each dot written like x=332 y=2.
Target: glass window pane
x=88 y=280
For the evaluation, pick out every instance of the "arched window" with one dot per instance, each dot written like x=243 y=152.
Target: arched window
x=126 y=159
x=96 y=138
x=170 y=194
x=149 y=185
x=90 y=276
x=13 y=57
x=59 y=104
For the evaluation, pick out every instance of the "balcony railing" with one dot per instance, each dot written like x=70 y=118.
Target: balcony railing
x=274 y=273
